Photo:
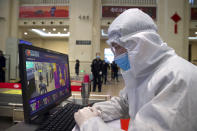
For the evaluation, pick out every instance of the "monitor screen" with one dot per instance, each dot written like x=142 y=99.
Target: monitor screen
x=25 y=42
x=45 y=79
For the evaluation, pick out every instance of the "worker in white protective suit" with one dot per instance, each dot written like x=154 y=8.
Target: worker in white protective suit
x=160 y=91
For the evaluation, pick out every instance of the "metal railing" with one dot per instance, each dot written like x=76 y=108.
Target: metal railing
x=44 y=2
x=130 y=2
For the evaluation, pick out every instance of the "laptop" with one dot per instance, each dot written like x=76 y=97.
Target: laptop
x=45 y=80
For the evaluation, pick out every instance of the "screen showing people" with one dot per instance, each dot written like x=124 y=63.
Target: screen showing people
x=47 y=78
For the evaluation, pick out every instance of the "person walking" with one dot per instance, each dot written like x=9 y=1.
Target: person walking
x=105 y=68
x=96 y=69
x=112 y=71
x=115 y=71
x=77 y=65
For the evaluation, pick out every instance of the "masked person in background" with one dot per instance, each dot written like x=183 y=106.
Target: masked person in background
x=160 y=87
x=96 y=68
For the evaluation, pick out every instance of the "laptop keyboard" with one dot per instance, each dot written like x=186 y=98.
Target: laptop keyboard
x=63 y=120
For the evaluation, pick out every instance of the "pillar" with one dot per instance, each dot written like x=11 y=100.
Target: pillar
x=84 y=26
x=165 y=10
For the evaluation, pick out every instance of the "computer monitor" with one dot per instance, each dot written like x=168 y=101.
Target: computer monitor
x=45 y=80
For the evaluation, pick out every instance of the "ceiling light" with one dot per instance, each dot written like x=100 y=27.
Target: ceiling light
x=25 y=33
x=54 y=29
x=43 y=29
x=65 y=29
x=44 y=34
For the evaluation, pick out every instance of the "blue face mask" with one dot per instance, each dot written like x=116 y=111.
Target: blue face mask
x=97 y=56
x=122 y=61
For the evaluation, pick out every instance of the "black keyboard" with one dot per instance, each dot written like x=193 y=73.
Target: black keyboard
x=62 y=120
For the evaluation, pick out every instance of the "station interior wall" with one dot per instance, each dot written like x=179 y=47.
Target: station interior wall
x=9 y=23
x=62 y=45
x=59 y=45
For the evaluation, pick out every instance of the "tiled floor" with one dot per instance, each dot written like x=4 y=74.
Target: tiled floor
x=112 y=87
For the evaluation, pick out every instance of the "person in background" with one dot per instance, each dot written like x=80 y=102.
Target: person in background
x=160 y=86
x=2 y=67
x=77 y=65
x=114 y=67
x=105 y=68
x=96 y=69
x=42 y=86
x=112 y=71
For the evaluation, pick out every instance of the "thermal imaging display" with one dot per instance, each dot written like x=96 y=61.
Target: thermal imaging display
x=47 y=78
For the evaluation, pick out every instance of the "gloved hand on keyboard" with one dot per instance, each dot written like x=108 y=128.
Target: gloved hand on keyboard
x=84 y=114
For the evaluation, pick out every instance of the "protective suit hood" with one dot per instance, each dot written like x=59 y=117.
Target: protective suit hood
x=160 y=92
x=137 y=32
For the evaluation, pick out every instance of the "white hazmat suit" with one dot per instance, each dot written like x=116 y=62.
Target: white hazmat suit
x=160 y=91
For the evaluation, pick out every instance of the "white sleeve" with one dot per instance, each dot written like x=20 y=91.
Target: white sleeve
x=172 y=109
x=116 y=108
x=97 y=124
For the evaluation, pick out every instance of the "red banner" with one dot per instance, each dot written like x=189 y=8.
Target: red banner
x=44 y=12
x=10 y=85
x=193 y=13
x=114 y=11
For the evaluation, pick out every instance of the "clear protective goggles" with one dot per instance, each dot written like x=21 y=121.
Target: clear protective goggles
x=117 y=49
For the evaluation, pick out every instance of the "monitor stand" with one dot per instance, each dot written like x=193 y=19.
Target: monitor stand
x=39 y=119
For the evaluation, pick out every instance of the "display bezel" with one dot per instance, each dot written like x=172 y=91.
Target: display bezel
x=23 y=76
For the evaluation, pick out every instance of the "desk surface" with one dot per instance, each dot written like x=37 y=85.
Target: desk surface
x=22 y=127
x=11 y=91
x=26 y=127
